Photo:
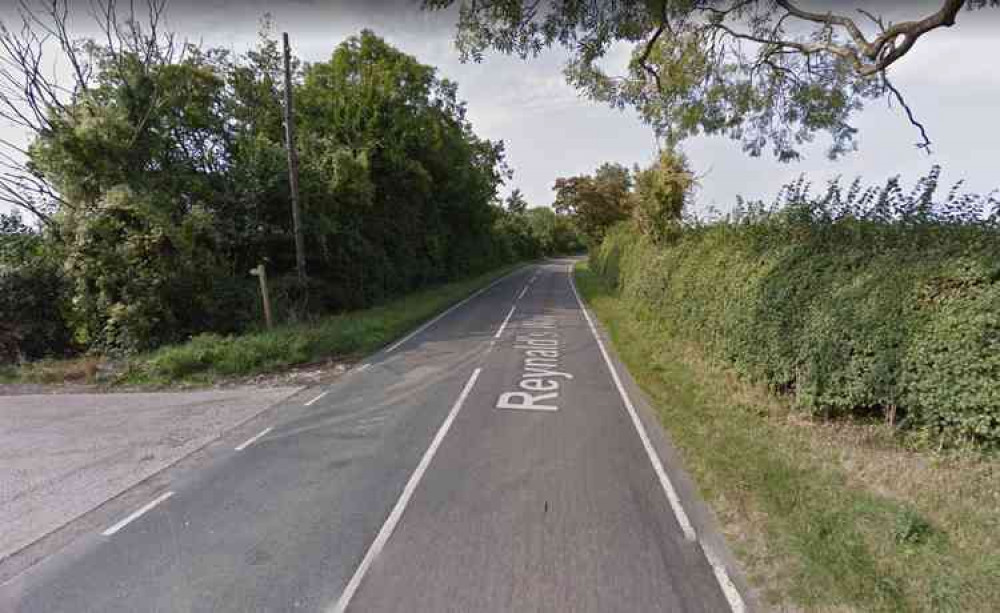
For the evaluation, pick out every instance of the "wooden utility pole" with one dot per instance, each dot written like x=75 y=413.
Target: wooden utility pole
x=261 y=273
x=293 y=164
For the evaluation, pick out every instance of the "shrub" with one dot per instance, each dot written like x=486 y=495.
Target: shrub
x=32 y=304
x=140 y=276
x=871 y=303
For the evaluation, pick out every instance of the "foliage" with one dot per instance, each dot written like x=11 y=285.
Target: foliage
x=171 y=181
x=211 y=355
x=536 y=232
x=655 y=197
x=392 y=174
x=516 y=203
x=830 y=516
x=32 y=295
x=870 y=301
x=661 y=193
x=19 y=242
x=141 y=278
x=32 y=304
x=764 y=72
x=595 y=202
x=554 y=234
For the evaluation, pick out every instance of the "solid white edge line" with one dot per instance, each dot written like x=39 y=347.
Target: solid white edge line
x=310 y=403
x=253 y=439
x=137 y=514
x=665 y=483
x=430 y=323
x=726 y=584
x=397 y=511
x=504 y=324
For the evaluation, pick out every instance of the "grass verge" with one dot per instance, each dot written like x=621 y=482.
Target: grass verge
x=209 y=357
x=823 y=516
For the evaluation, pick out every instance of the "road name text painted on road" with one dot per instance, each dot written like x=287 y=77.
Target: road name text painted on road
x=541 y=378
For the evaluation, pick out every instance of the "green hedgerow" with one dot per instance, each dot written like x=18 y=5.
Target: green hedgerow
x=871 y=302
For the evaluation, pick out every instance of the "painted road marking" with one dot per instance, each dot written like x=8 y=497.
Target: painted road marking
x=404 y=499
x=504 y=324
x=539 y=373
x=361 y=368
x=665 y=483
x=524 y=291
x=134 y=516
x=396 y=345
x=253 y=439
x=311 y=402
x=726 y=584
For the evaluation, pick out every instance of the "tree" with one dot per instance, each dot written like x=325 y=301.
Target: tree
x=767 y=73
x=392 y=172
x=160 y=180
x=32 y=294
x=32 y=99
x=661 y=192
x=595 y=202
x=516 y=202
x=553 y=233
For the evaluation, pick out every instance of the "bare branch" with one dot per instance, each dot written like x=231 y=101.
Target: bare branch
x=884 y=50
x=644 y=57
x=32 y=99
x=925 y=144
x=830 y=20
x=911 y=31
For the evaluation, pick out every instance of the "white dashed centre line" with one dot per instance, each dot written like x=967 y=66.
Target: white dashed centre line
x=134 y=516
x=310 y=403
x=504 y=324
x=430 y=323
x=253 y=439
x=397 y=511
x=524 y=291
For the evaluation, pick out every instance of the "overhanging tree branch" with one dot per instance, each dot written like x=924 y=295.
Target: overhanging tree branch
x=733 y=67
x=925 y=144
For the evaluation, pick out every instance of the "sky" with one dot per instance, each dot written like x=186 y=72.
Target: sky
x=949 y=78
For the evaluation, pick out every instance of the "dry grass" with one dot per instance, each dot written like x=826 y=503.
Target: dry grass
x=75 y=370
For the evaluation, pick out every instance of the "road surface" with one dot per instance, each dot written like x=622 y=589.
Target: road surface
x=491 y=461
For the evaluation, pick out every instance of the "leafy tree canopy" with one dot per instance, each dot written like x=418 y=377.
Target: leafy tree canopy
x=516 y=202
x=767 y=73
x=595 y=202
x=158 y=171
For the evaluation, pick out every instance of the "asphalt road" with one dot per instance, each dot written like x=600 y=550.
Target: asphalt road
x=493 y=461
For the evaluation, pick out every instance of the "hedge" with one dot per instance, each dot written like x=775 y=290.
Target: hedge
x=850 y=316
